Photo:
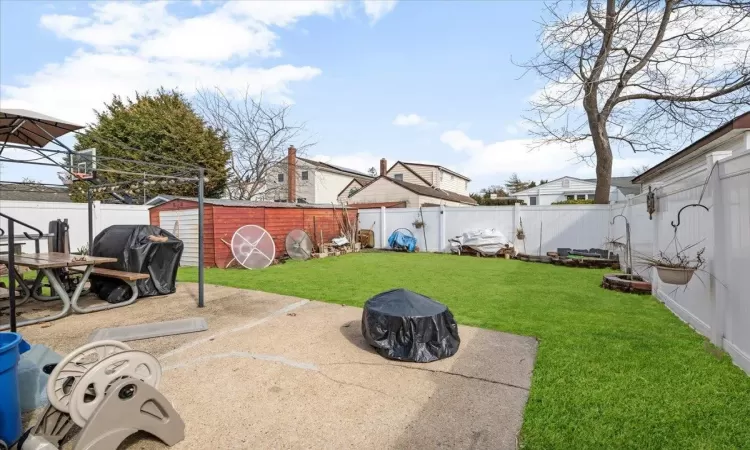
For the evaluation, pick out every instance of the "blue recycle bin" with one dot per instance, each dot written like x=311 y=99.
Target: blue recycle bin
x=10 y=406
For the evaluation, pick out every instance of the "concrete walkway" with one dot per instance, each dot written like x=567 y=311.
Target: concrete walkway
x=281 y=372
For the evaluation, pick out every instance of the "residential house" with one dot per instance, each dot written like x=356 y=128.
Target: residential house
x=567 y=188
x=32 y=192
x=416 y=184
x=310 y=181
x=689 y=166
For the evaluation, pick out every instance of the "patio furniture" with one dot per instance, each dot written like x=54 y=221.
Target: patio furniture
x=46 y=264
x=128 y=278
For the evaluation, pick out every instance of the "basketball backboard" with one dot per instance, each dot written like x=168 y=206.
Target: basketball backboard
x=81 y=165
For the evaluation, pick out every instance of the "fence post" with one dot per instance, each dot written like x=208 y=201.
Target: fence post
x=655 y=243
x=383 y=239
x=441 y=230
x=716 y=267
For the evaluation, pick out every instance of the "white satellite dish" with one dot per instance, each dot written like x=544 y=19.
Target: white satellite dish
x=253 y=247
x=298 y=245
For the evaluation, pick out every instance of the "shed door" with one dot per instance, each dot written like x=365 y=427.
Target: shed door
x=184 y=225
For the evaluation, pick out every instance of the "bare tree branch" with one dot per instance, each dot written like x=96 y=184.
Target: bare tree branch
x=640 y=75
x=258 y=136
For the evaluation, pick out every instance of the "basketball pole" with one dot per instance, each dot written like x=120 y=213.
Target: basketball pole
x=201 y=174
x=89 y=200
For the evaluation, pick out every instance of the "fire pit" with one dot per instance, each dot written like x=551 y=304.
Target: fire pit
x=632 y=284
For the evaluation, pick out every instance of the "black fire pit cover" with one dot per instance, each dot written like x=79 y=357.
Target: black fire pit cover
x=407 y=326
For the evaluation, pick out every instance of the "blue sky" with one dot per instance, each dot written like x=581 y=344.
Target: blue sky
x=413 y=80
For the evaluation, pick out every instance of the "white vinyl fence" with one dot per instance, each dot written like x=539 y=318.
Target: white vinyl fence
x=39 y=214
x=571 y=226
x=716 y=302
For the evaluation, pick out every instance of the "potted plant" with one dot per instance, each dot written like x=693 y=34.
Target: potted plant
x=418 y=224
x=520 y=235
x=676 y=269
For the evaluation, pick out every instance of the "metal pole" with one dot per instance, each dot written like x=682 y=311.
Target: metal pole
x=89 y=199
x=11 y=276
x=201 y=173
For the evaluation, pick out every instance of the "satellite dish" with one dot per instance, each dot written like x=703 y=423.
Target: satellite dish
x=298 y=245
x=253 y=247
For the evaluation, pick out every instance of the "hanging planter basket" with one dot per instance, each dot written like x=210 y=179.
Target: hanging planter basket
x=675 y=275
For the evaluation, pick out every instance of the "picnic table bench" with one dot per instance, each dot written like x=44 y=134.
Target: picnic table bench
x=130 y=278
x=47 y=264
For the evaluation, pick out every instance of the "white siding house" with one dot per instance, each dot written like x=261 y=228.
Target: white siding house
x=561 y=189
x=430 y=175
x=387 y=189
x=315 y=181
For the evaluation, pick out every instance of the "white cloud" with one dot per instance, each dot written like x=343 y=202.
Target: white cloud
x=111 y=24
x=516 y=155
x=129 y=47
x=213 y=37
x=376 y=9
x=284 y=13
x=410 y=120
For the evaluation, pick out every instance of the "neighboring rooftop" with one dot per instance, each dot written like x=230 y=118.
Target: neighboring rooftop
x=443 y=168
x=427 y=191
x=361 y=177
x=624 y=184
x=254 y=204
x=29 y=192
x=729 y=130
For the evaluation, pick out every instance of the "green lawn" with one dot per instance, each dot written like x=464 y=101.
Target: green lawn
x=613 y=370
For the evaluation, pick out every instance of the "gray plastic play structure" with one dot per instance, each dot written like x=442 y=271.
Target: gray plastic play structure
x=110 y=392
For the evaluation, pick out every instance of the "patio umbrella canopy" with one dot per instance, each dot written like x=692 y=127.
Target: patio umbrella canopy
x=407 y=326
x=21 y=126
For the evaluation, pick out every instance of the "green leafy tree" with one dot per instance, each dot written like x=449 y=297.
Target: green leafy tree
x=161 y=128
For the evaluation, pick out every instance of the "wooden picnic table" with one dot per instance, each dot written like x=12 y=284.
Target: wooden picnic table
x=47 y=265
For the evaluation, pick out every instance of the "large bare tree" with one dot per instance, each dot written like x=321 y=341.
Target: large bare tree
x=638 y=75
x=257 y=134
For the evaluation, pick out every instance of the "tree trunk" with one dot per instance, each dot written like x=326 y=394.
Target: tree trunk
x=603 y=161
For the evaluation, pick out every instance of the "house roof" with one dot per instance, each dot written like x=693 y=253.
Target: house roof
x=410 y=170
x=336 y=169
x=427 y=191
x=550 y=181
x=34 y=193
x=443 y=168
x=624 y=184
x=248 y=203
x=741 y=122
x=348 y=186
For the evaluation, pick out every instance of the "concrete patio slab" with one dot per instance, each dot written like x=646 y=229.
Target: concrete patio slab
x=281 y=372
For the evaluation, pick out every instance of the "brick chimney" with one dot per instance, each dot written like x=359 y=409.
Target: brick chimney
x=292 y=175
x=383 y=167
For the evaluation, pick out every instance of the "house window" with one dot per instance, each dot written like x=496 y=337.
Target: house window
x=398 y=176
x=281 y=178
x=590 y=196
x=570 y=197
x=304 y=175
x=532 y=200
x=467 y=185
x=581 y=197
x=566 y=183
x=451 y=177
